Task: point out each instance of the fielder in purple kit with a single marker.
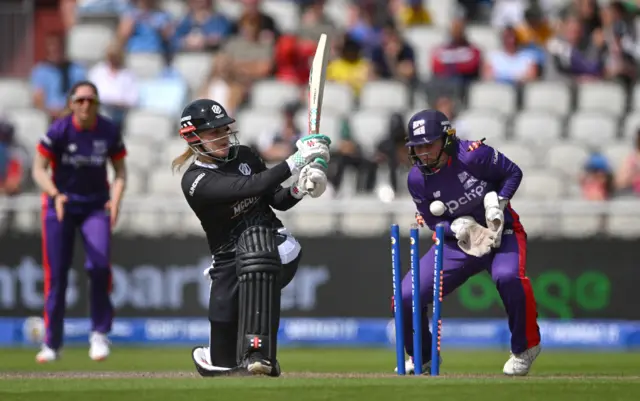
(467, 186)
(77, 196)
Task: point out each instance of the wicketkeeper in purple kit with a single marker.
(468, 185)
(77, 196)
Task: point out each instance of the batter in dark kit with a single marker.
(254, 256)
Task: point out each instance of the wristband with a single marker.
(296, 192)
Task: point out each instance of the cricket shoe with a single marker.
(257, 364)
(47, 354)
(99, 348)
(519, 364)
(410, 368)
(202, 360)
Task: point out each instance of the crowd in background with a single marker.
(585, 41)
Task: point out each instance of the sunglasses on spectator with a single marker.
(80, 100)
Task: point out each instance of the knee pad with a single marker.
(259, 270)
(289, 271)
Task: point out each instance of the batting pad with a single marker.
(259, 268)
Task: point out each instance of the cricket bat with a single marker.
(317, 77)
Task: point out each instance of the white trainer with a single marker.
(47, 354)
(409, 367)
(99, 349)
(519, 365)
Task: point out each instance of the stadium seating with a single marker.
(493, 96)
(368, 128)
(537, 94)
(87, 43)
(550, 140)
(537, 127)
(592, 127)
(272, 94)
(15, 93)
(607, 97)
(144, 65)
(30, 124)
(480, 123)
(385, 96)
(194, 68)
(566, 157)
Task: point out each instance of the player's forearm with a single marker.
(44, 181)
(232, 189)
(118, 187)
(283, 200)
(511, 183)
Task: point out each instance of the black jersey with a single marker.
(233, 196)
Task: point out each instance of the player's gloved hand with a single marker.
(473, 239)
(314, 172)
(310, 148)
(494, 215)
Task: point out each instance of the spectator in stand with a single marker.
(11, 165)
(366, 18)
(350, 67)
(117, 85)
(620, 62)
(477, 11)
(146, 28)
(535, 29)
(291, 64)
(587, 13)
(596, 180)
(512, 64)
(268, 31)
(314, 21)
(446, 104)
(222, 86)
(620, 65)
(414, 13)
(275, 146)
(506, 13)
(533, 34)
(251, 57)
(392, 150)
(52, 78)
(584, 63)
(348, 154)
(201, 29)
(628, 176)
(393, 58)
(71, 9)
(458, 60)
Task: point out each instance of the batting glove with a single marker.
(310, 148)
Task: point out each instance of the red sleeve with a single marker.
(14, 172)
(436, 64)
(119, 155)
(469, 65)
(118, 150)
(467, 61)
(44, 151)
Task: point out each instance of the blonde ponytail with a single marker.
(181, 160)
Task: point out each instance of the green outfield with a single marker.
(135, 374)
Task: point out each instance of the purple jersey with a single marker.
(79, 158)
(462, 184)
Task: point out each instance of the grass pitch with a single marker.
(140, 374)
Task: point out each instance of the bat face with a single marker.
(317, 78)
